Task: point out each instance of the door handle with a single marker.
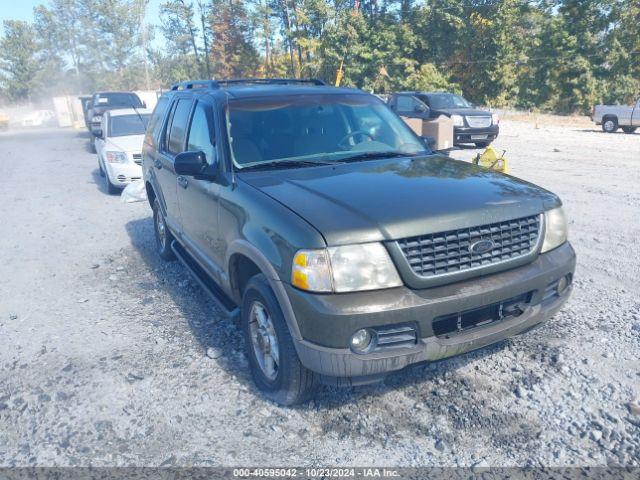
(183, 182)
(157, 163)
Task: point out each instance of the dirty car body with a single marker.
(379, 253)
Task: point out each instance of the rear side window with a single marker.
(200, 132)
(179, 124)
(405, 103)
(155, 124)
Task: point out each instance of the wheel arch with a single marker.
(151, 193)
(243, 261)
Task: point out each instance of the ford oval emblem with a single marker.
(481, 246)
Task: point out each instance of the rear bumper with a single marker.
(463, 135)
(326, 322)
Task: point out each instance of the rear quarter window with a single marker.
(179, 124)
(155, 124)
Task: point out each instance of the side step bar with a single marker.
(221, 299)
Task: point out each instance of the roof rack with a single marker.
(194, 84)
(215, 84)
(271, 81)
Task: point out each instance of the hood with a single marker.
(462, 111)
(397, 198)
(129, 143)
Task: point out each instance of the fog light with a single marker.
(361, 340)
(563, 283)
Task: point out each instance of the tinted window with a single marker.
(155, 124)
(119, 99)
(405, 103)
(200, 139)
(179, 126)
(123, 125)
(447, 100)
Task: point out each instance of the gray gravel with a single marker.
(111, 357)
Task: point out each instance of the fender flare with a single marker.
(149, 178)
(245, 248)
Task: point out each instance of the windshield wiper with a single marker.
(373, 155)
(286, 164)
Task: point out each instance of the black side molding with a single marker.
(222, 300)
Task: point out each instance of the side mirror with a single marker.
(144, 104)
(194, 164)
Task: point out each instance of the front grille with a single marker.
(451, 252)
(479, 121)
(459, 322)
(123, 178)
(137, 157)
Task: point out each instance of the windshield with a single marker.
(315, 128)
(123, 125)
(439, 101)
(120, 99)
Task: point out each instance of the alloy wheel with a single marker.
(264, 340)
(161, 229)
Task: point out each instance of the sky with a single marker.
(23, 10)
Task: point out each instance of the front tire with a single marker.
(629, 130)
(273, 360)
(610, 124)
(162, 233)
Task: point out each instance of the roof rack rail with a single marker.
(215, 84)
(271, 81)
(191, 84)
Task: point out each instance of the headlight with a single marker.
(458, 121)
(117, 157)
(96, 119)
(555, 229)
(344, 269)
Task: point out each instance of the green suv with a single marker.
(348, 249)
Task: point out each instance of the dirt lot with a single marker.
(103, 357)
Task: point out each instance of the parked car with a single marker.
(104, 101)
(119, 146)
(4, 121)
(612, 117)
(39, 118)
(348, 248)
(470, 124)
(86, 101)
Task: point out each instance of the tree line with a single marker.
(553, 55)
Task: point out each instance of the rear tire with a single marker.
(275, 366)
(482, 144)
(163, 235)
(629, 129)
(609, 124)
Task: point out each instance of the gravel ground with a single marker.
(111, 357)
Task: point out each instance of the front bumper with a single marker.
(122, 174)
(462, 135)
(326, 322)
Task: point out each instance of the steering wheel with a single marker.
(344, 146)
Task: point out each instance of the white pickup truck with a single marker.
(612, 117)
